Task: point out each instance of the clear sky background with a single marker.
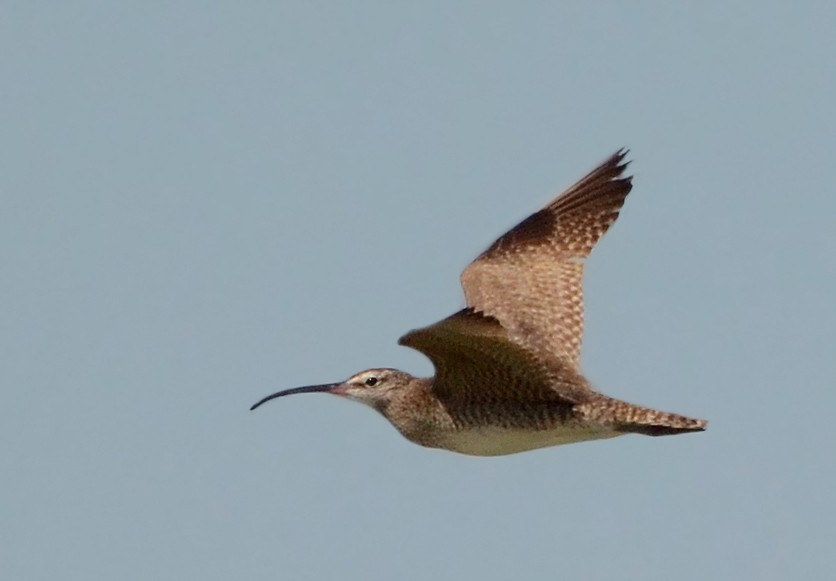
(203, 203)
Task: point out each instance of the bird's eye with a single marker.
(371, 381)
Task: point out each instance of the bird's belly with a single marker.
(498, 441)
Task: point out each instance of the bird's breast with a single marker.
(490, 428)
(499, 441)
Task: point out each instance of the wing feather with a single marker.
(530, 279)
(475, 360)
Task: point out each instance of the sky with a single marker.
(202, 203)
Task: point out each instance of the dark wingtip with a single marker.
(619, 162)
(616, 164)
(605, 186)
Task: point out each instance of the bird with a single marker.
(507, 373)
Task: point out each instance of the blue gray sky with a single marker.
(203, 203)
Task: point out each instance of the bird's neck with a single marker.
(417, 413)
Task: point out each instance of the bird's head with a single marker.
(373, 387)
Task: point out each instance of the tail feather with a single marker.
(631, 418)
(658, 430)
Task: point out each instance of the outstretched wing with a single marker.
(475, 360)
(530, 279)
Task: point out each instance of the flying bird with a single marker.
(507, 374)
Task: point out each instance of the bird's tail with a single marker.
(627, 417)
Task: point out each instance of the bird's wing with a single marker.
(530, 279)
(475, 360)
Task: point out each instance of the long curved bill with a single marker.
(324, 388)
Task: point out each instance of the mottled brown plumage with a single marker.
(507, 374)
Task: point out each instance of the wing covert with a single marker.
(475, 360)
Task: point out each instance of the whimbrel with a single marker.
(507, 372)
